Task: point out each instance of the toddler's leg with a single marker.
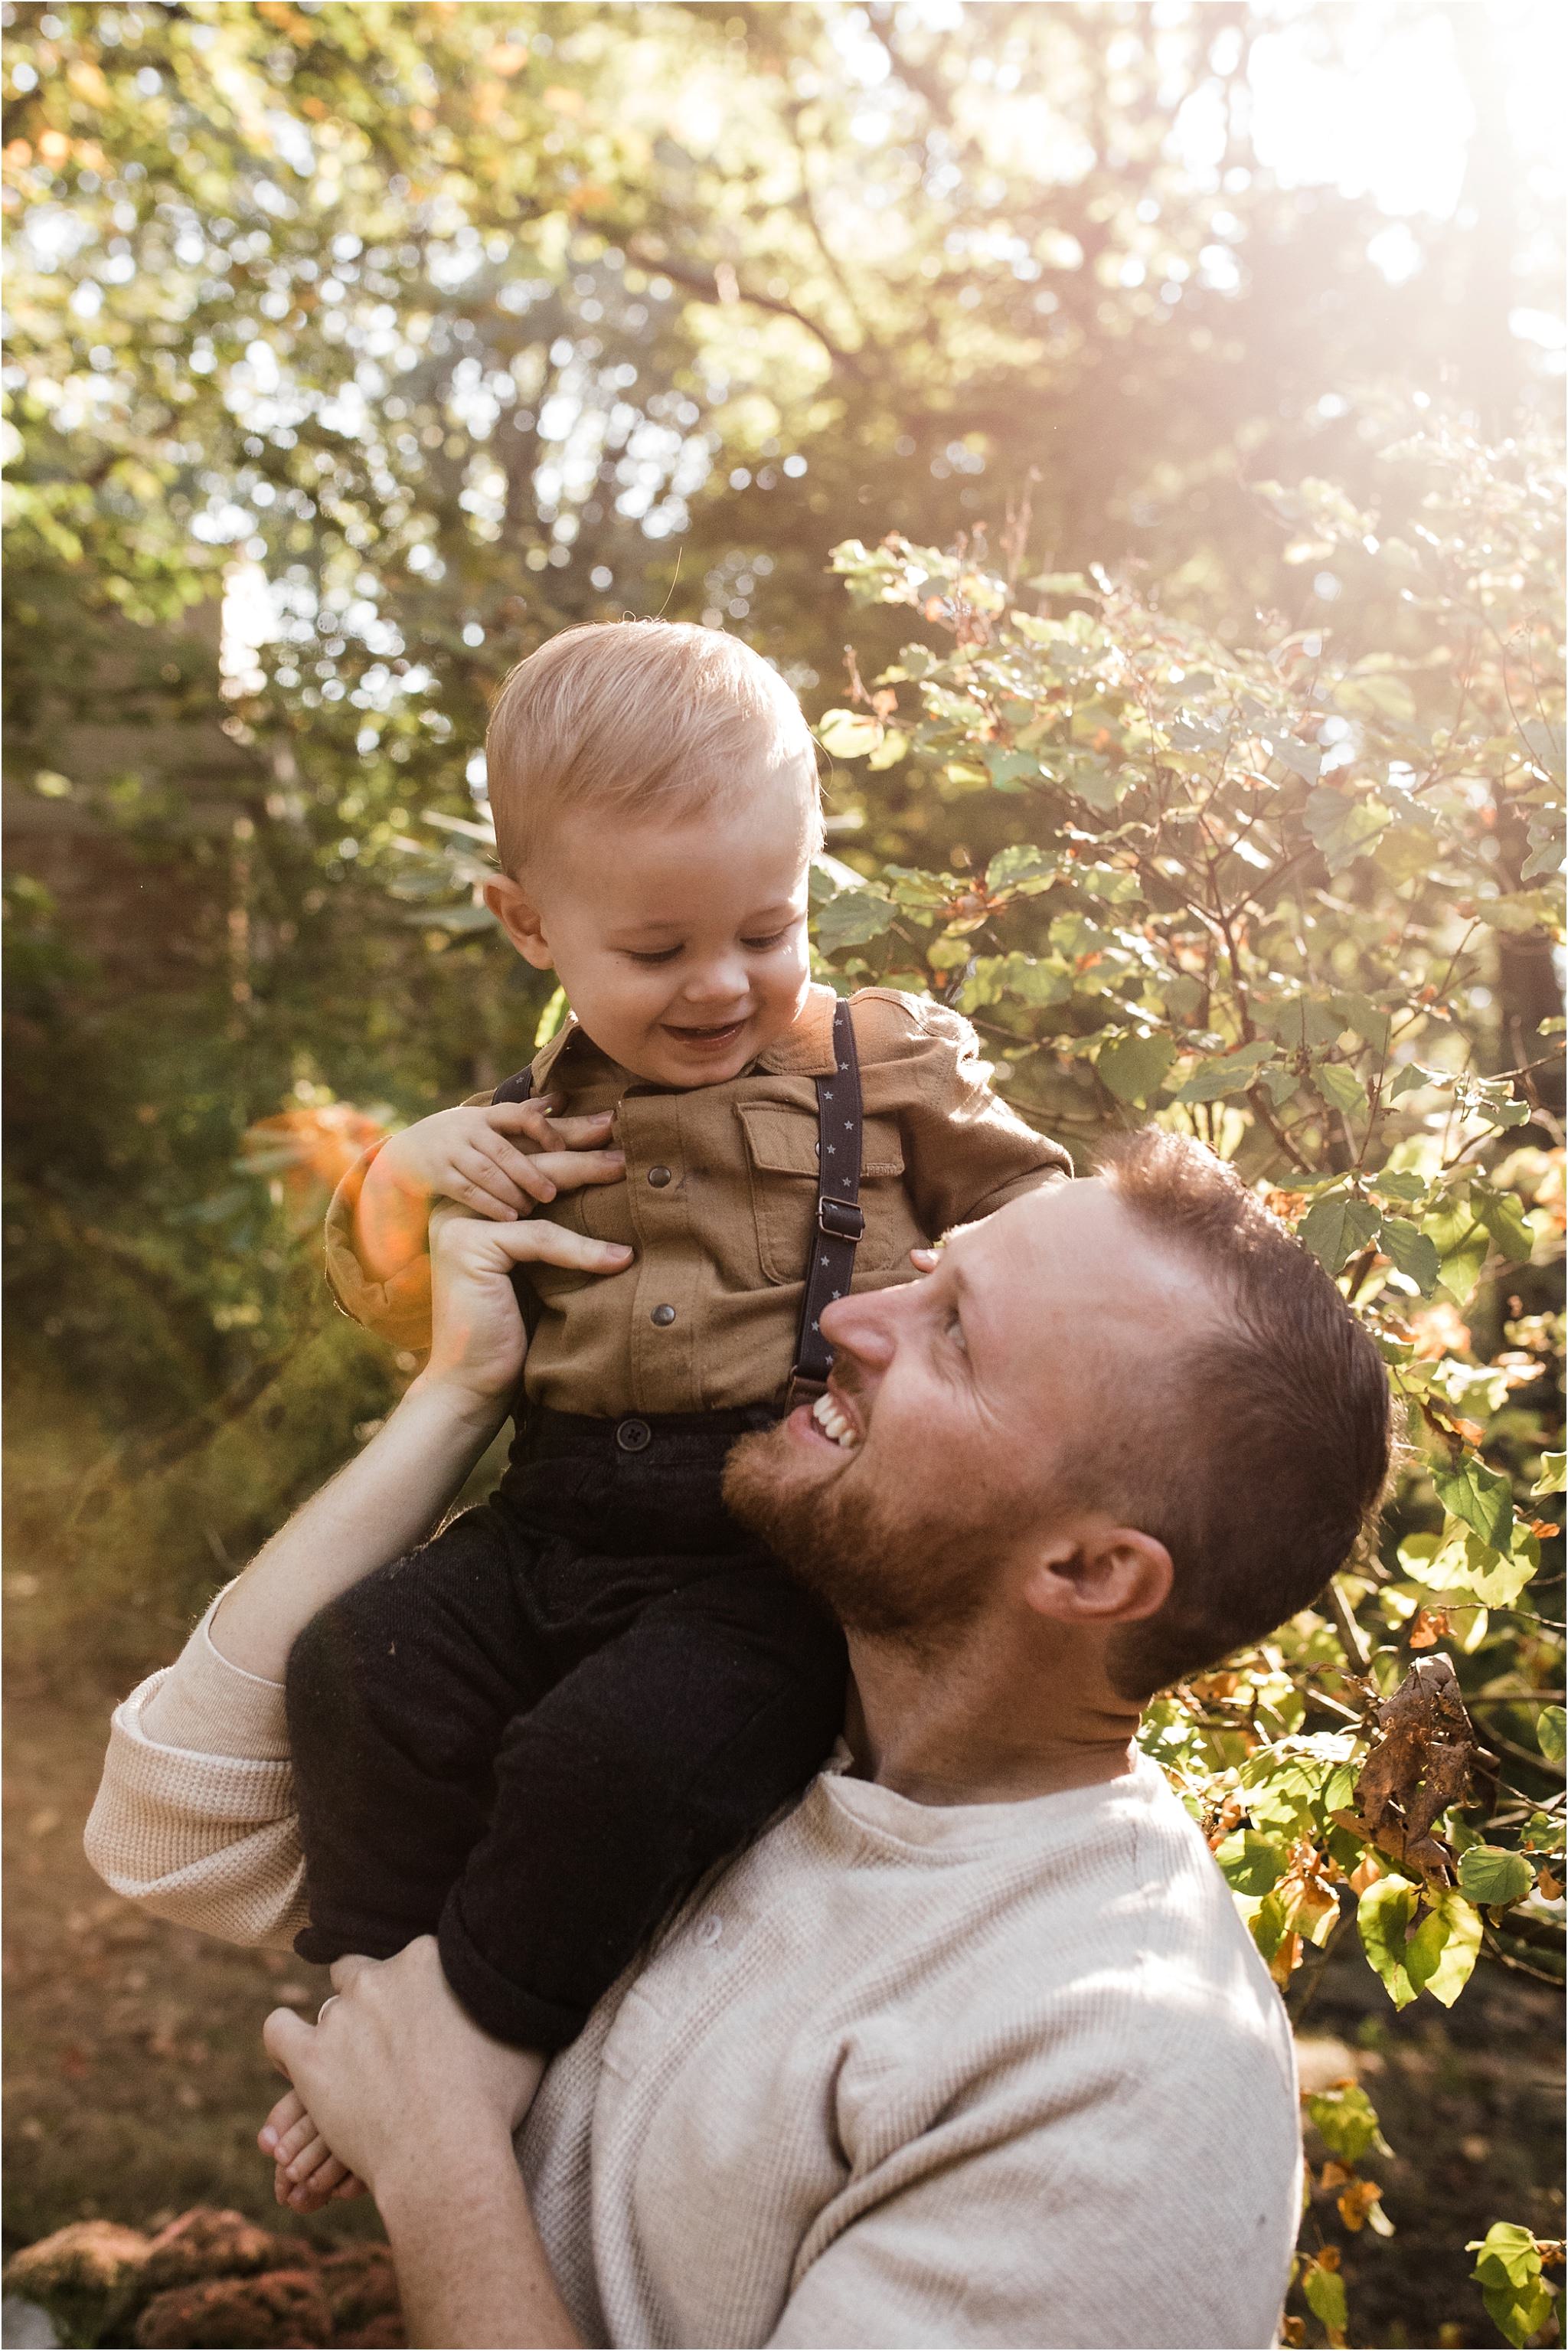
(398, 1693)
(652, 1759)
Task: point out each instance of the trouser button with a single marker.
(632, 1436)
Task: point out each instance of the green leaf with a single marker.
(1304, 759)
(847, 734)
(1509, 2255)
(1407, 1246)
(851, 918)
(1346, 2122)
(1344, 825)
(1135, 1066)
(1551, 1732)
(1493, 1876)
(1482, 1497)
(1342, 1088)
(1301, 1021)
(1252, 1863)
(1519, 2313)
(1440, 1956)
(1416, 1074)
(1463, 1563)
(1385, 1917)
(1518, 2301)
(1502, 1214)
(1324, 2292)
(1336, 1226)
(1232, 1074)
(1024, 862)
(1551, 1478)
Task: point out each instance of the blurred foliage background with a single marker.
(1184, 379)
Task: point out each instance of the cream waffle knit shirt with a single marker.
(900, 2074)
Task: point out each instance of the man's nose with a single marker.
(862, 1328)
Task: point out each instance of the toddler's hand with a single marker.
(306, 2173)
(502, 1161)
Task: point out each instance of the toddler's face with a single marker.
(681, 945)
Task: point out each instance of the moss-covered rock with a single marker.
(88, 2276)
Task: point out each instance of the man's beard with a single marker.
(882, 1574)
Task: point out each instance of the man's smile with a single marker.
(835, 1423)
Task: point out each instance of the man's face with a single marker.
(960, 1399)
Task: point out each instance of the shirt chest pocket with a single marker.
(781, 1157)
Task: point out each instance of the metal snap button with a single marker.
(662, 1316)
(659, 1177)
(633, 1435)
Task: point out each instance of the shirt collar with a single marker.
(805, 1049)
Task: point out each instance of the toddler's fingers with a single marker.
(326, 2180)
(293, 2140)
(353, 2186)
(533, 1120)
(303, 2199)
(288, 2110)
(523, 1172)
(311, 2158)
(477, 1187)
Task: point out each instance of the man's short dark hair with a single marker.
(1258, 1455)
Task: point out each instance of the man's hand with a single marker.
(306, 2173)
(501, 1161)
(478, 1342)
(498, 1163)
(396, 2075)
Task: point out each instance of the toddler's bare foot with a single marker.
(306, 2173)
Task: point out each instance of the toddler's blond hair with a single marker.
(634, 717)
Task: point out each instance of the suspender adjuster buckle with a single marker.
(840, 1220)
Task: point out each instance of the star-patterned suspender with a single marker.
(840, 1220)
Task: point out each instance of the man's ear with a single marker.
(521, 920)
(1101, 1574)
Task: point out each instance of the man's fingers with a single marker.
(570, 1168)
(345, 1971)
(539, 1241)
(286, 2037)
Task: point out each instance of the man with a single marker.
(970, 2046)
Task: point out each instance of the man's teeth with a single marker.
(831, 1423)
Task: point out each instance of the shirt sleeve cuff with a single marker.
(203, 1704)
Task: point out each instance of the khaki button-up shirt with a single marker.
(719, 1204)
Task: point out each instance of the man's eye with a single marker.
(649, 955)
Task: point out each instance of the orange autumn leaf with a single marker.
(1355, 2201)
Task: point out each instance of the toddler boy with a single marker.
(531, 1735)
